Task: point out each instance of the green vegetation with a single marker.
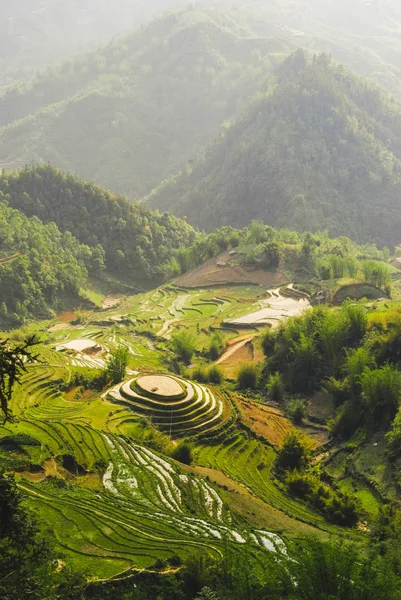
(199, 441)
(183, 344)
(38, 265)
(248, 377)
(83, 458)
(126, 237)
(27, 558)
(12, 365)
(327, 158)
(42, 32)
(116, 365)
(201, 66)
(275, 387)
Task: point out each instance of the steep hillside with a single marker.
(38, 264)
(135, 242)
(319, 150)
(134, 113)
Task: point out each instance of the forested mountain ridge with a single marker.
(362, 35)
(38, 264)
(134, 242)
(134, 113)
(319, 150)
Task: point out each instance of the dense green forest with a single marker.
(134, 241)
(38, 264)
(89, 231)
(318, 150)
(135, 112)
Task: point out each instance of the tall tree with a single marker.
(12, 364)
(117, 363)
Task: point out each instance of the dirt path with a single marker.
(234, 348)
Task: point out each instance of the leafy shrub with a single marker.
(183, 344)
(275, 387)
(248, 377)
(336, 507)
(297, 411)
(268, 341)
(393, 438)
(183, 453)
(293, 454)
(215, 375)
(216, 346)
(89, 379)
(117, 363)
(199, 374)
(381, 390)
(376, 273)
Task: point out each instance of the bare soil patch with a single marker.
(264, 420)
(160, 385)
(66, 317)
(210, 273)
(111, 301)
(78, 345)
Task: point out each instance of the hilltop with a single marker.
(87, 227)
(362, 35)
(318, 150)
(131, 114)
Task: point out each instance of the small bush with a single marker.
(293, 454)
(248, 377)
(200, 375)
(183, 344)
(268, 342)
(297, 411)
(275, 387)
(215, 375)
(183, 453)
(216, 346)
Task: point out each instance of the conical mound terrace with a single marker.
(175, 405)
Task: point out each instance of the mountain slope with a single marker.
(362, 35)
(38, 264)
(320, 150)
(37, 33)
(133, 114)
(135, 242)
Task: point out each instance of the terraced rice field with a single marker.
(127, 506)
(175, 405)
(264, 420)
(250, 462)
(273, 311)
(122, 505)
(114, 504)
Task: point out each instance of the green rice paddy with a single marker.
(114, 504)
